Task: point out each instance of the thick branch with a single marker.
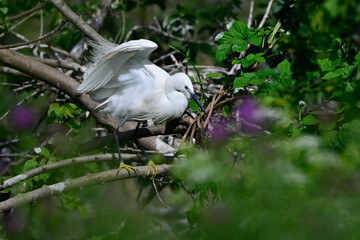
(129, 134)
(77, 21)
(77, 183)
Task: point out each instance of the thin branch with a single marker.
(70, 184)
(27, 12)
(251, 12)
(166, 34)
(7, 70)
(19, 23)
(77, 21)
(49, 34)
(65, 163)
(121, 33)
(266, 15)
(62, 64)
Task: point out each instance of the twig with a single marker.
(49, 34)
(251, 12)
(70, 184)
(65, 163)
(266, 15)
(121, 33)
(166, 34)
(24, 13)
(18, 23)
(41, 23)
(77, 21)
(158, 194)
(16, 155)
(12, 71)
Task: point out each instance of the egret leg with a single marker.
(129, 168)
(151, 164)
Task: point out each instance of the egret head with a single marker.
(183, 84)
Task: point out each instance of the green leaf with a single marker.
(214, 75)
(254, 39)
(310, 120)
(334, 74)
(82, 211)
(42, 151)
(4, 10)
(350, 132)
(239, 30)
(222, 52)
(241, 82)
(30, 164)
(248, 60)
(225, 111)
(325, 64)
(239, 46)
(284, 68)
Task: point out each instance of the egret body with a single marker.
(131, 88)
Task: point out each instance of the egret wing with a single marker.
(113, 60)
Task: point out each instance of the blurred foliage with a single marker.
(280, 161)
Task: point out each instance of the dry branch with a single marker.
(65, 163)
(70, 184)
(47, 35)
(77, 21)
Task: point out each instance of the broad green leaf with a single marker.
(254, 39)
(325, 64)
(284, 68)
(30, 164)
(350, 132)
(214, 75)
(239, 30)
(334, 74)
(239, 46)
(42, 151)
(309, 120)
(248, 60)
(222, 52)
(241, 82)
(4, 10)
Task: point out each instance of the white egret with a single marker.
(132, 88)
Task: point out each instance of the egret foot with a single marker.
(152, 165)
(128, 168)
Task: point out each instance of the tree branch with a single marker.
(129, 134)
(68, 162)
(77, 21)
(58, 27)
(266, 15)
(24, 13)
(70, 184)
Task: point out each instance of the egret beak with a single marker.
(194, 97)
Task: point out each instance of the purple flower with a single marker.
(248, 114)
(22, 118)
(217, 127)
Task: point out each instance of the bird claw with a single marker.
(128, 168)
(152, 165)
